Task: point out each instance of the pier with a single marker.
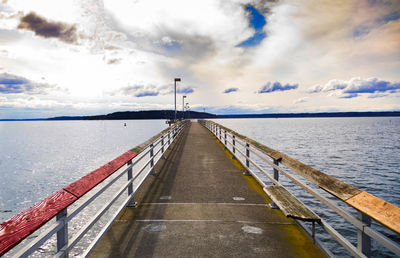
(200, 204)
(197, 189)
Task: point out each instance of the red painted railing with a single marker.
(23, 224)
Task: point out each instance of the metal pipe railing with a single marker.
(250, 147)
(14, 230)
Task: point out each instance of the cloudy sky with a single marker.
(86, 57)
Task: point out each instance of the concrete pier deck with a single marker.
(200, 205)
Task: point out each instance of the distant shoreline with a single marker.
(169, 114)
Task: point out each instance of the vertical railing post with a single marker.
(226, 146)
(62, 234)
(276, 177)
(162, 143)
(233, 146)
(169, 139)
(132, 202)
(152, 159)
(363, 240)
(246, 172)
(276, 172)
(162, 147)
(220, 136)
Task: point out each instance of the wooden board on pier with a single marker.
(289, 204)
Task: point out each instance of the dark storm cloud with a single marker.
(13, 84)
(277, 86)
(48, 29)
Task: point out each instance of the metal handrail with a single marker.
(12, 231)
(232, 139)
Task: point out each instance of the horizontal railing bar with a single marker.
(97, 216)
(386, 242)
(143, 154)
(258, 167)
(342, 240)
(147, 143)
(106, 227)
(323, 199)
(318, 242)
(75, 211)
(39, 240)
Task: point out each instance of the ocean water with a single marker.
(39, 158)
(363, 152)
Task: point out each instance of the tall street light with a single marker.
(183, 106)
(187, 108)
(176, 80)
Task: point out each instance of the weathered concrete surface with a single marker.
(200, 205)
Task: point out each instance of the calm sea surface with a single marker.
(38, 158)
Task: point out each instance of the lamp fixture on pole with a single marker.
(175, 80)
(183, 106)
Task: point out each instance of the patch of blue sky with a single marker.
(394, 16)
(257, 21)
(254, 40)
(172, 47)
(146, 94)
(186, 90)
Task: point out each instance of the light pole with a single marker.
(187, 107)
(183, 106)
(176, 80)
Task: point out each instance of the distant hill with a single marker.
(169, 114)
(151, 114)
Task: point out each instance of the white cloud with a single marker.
(122, 43)
(301, 100)
(355, 86)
